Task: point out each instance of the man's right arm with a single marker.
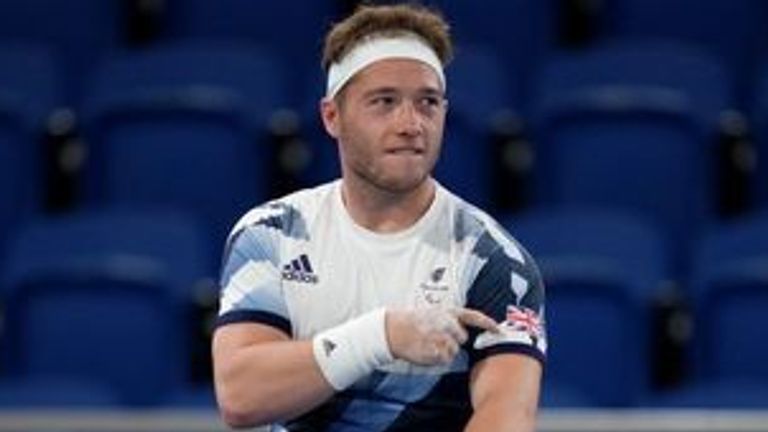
(263, 376)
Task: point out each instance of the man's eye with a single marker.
(383, 100)
(430, 101)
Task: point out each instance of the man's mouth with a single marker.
(405, 151)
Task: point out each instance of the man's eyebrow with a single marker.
(424, 91)
(431, 91)
(380, 91)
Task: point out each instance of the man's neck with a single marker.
(384, 211)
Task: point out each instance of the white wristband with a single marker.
(352, 350)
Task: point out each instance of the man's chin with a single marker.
(402, 185)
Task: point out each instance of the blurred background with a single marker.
(623, 142)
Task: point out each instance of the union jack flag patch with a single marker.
(525, 320)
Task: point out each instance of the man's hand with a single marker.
(430, 336)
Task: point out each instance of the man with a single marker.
(380, 301)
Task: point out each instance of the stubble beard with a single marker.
(391, 185)
(362, 169)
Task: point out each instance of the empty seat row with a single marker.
(634, 126)
(732, 31)
(112, 298)
(123, 300)
(521, 31)
(84, 31)
(604, 272)
(28, 94)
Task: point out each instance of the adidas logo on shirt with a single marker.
(299, 270)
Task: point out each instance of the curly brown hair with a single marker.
(388, 20)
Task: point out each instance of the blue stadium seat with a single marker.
(184, 126)
(555, 395)
(718, 394)
(54, 393)
(192, 397)
(29, 93)
(478, 93)
(295, 29)
(729, 292)
(521, 32)
(733, 31)
(78, 32)
(601, 271)
(633, 126)
(104, 297)
(759, 121)
(323, 158)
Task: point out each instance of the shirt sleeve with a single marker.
(509, 289)
(251, 288)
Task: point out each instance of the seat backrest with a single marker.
(717, 394)
(56, 394)
(78, 33)
(184, 126)
(759, 121)
(104, 297)
(601, 271)
(729, 291)
(633, 126)
(294, 29)
(29, 93)
(558, 395)
(521, 32)
(733, 31)
(478, 94)
(193, 397)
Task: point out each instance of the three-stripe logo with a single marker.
(300, 270)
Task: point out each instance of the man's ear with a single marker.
(329, 111)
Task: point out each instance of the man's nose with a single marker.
(408, 119)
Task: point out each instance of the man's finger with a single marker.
(475, 318)
(455, 329)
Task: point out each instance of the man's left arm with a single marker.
(506, 367)
(505, 393)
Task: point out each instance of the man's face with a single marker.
(388, 121)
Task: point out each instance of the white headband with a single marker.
(378, 48)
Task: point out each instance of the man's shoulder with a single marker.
(289, 214)
(479, 231)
